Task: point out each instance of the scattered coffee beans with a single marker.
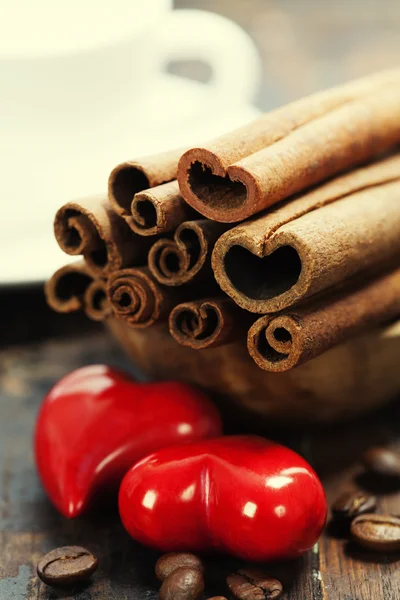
(380, 533)
(254, 584)
(168, 563)
(383, 462)
(351, 504)
(67, 566)
(183, 584)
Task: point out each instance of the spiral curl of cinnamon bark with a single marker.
(96, 304)
(275, 343)
(65, 290)
(159, 210)
(280, 342)
(91, 228)
(177, 261)
(205, 323)
(136, 298)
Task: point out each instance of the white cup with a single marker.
(73, 61)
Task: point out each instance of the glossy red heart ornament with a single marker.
(97, 422)
(241, 495)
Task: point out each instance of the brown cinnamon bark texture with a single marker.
(136, 298)
(347, 380)
(96, 304)
(65, 289)
(91, 228)
(280, 342)
(131, 177)
(207, 323)
(313, 242)
(292, 148)
(179, 260)
(159, 210)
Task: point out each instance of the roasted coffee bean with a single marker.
(67, 566)
(377, 532)
(383, 462)
(254, 584)
(217, 598)
(352, 504)
(183, 584)
(168, 563)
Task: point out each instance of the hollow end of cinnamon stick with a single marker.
(208, 189)
(74, 230)
(146, 219)
(257, 283)
(263, 278)
(160, 209)
(65, 290)
(96, 304)
(275, 343)
(199, 324)
(177, 261)
(135, 298)
(125, 180)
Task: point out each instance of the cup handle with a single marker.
(189, 34)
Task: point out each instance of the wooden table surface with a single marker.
(29, 526)
(305, 45)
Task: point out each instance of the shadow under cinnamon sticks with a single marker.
(284, 340)
(348, 226)
(292, 148)
(73, 288)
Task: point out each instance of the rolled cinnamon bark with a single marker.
(65, 290)
(280, 342)
(313, 242)
(91, 228)
(292, 148)
(159, 210)
(207, 323)
(131, 177)
(137, 299)
(96, 304)
(178, 261)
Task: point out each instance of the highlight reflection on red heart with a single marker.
(96, 422)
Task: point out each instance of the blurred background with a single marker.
(95, 83)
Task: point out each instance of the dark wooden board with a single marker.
(29, 526)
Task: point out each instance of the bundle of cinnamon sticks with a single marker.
(283, 234)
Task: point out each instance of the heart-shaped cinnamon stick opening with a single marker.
(262, 278)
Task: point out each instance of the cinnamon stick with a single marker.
(280, 342)
(65, 289)
(178, 261)
(131, 177)
(91, 228)
(159, 210)
(136, 298)
(313, 242)
(96, 304)
(207, 323)
(292, 148)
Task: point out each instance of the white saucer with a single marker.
(41, 170)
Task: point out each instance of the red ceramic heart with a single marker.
(97, 422)
(242, 495)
